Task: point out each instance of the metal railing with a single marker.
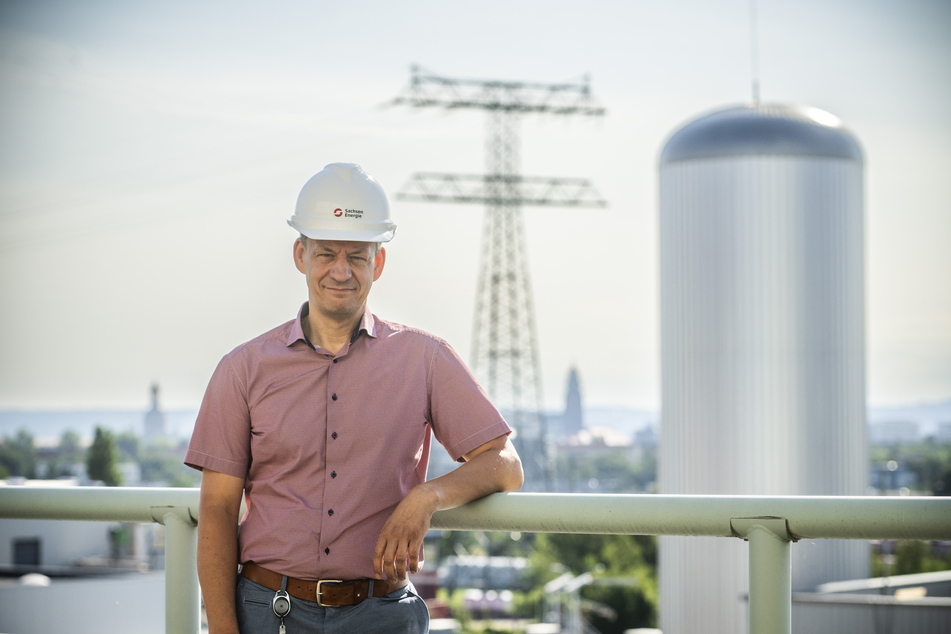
(769, 524)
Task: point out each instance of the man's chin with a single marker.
(340, 313)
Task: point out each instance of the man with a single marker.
(323, 426)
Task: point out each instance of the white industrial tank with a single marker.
(762, 340)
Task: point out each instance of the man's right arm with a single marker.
(219, 505)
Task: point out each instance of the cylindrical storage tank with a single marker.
(762, 340)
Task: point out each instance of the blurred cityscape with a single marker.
(596, 449)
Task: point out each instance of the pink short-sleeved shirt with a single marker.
(328, 445)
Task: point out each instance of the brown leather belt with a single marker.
(327, 592)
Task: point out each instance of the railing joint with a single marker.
(159, 513)
(778, 526)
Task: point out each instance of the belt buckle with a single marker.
(318, 592)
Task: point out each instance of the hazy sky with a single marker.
(150, 153)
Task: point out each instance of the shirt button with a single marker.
(330, 512)
(335, 360)
(334, 435)
(326, 551)
(333, 474)
(334, 397)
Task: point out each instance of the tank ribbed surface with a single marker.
(762, 341)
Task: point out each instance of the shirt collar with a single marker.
(296, 333)
(367, 325)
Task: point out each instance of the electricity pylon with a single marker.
(504, 346)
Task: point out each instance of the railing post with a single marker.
(770, 573)
(182, 593)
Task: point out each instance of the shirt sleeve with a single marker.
(463, 417)
(221, 440)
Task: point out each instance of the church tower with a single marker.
(155, 418)
(572, 421)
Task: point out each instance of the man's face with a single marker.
(339, 275)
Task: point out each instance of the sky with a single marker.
(151, 152)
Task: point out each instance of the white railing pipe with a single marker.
(103, 504)
(807, 517)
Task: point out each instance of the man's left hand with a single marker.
(489, 468)
(397, 549)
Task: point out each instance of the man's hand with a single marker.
(397, 549)
(490, 468)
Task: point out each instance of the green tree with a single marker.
(70, 449)
(621, 557)
(615, 471)
(928, 460)
(18, 456)
(906, 557)
(67, 453)
(101, 462)
(943, 485)
(129, 447)
(163, 463)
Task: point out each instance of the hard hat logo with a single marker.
(342, 202)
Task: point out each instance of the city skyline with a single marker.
(152, 154)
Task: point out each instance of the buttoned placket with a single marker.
(334, 368)
(329, 454)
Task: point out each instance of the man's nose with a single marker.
(341, 269)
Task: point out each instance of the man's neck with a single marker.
(329, 333)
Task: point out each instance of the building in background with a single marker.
(943, 434)
(572, 421)
(762, 340)
(894, 432)
(155, 418)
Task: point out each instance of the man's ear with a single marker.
(299, 251)
(378, 263)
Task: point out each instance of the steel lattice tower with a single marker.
(504, 346)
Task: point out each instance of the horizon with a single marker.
(599, 406)
(929, 417)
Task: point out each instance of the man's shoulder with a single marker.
(386, 328)
(392, 331)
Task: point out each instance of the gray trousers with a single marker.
(401, 611)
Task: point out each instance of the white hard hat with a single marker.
(342, 202)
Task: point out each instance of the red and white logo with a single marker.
(338, 212)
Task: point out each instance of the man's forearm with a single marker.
(217, 569)
(494, 470)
